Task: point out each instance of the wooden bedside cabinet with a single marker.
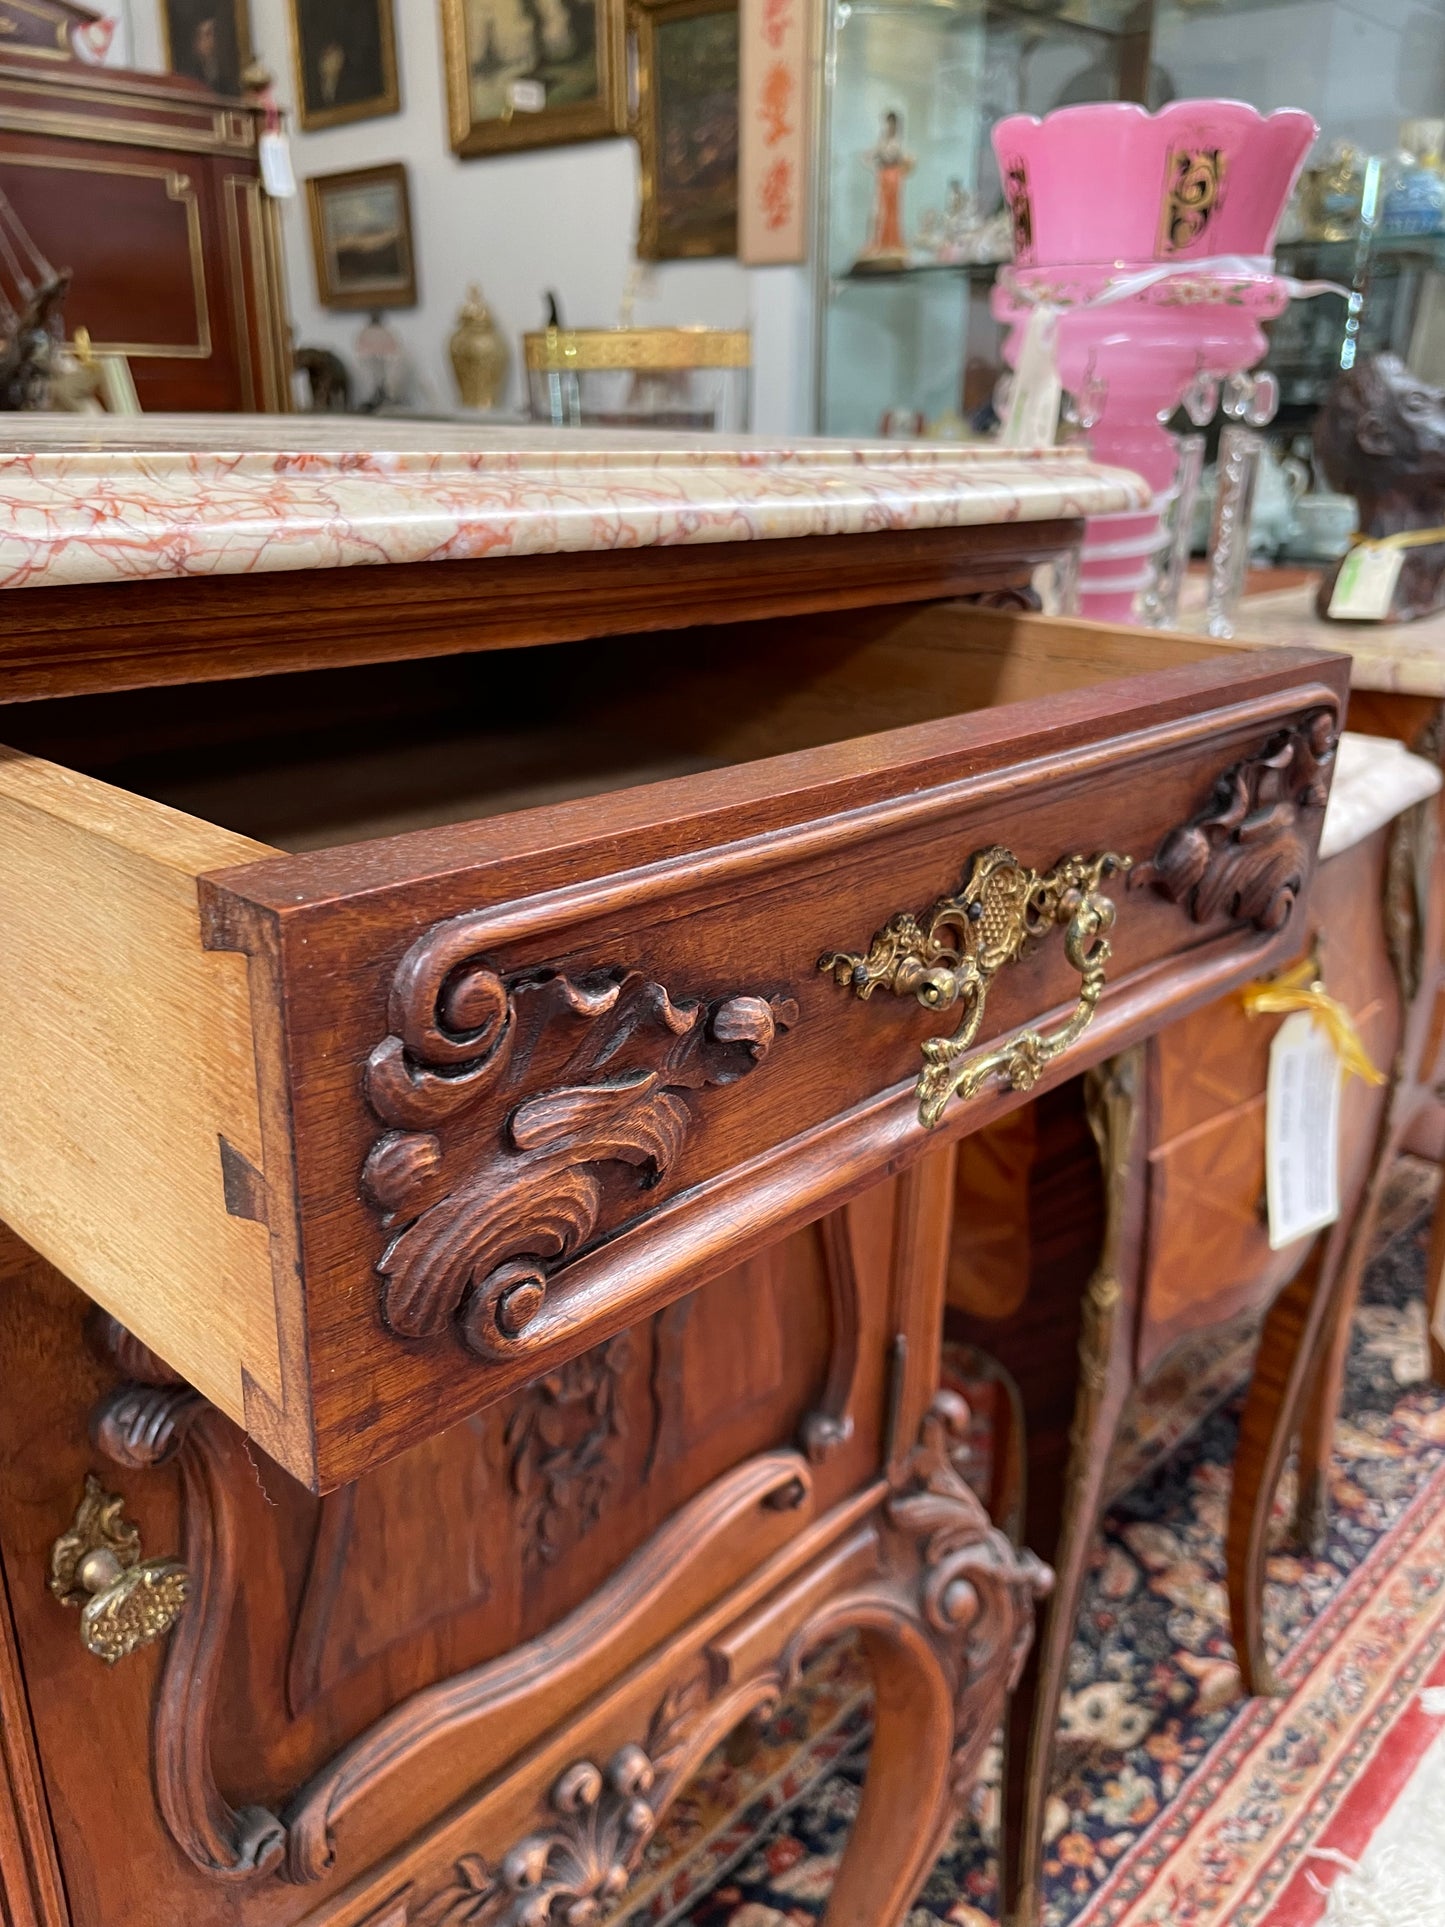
(485, 1050)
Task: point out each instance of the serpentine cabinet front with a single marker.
(477, 1338)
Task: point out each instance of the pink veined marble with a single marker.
(85, 500)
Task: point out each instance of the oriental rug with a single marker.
(1177, 1803)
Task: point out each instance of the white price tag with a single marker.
(1302, 1131)
(527, 96)
(1365, 586)
(274, 152)
(1033, 409)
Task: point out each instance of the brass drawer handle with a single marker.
(125, 1601)
(952, 955)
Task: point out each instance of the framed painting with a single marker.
(361, 238)
(344, 53)
(533, 73)
(687, 127)
(208, 41)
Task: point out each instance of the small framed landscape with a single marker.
(687, 127)
(533, 76)
(344, 53)
(361, 238)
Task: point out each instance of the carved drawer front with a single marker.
(361, 1139)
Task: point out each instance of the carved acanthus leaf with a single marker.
(525, 1113)
(565, 1436)
(1246, 856)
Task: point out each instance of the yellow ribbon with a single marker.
(1404, 539)
(1299, 988)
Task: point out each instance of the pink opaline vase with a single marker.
(1112, 207)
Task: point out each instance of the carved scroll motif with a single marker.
(977, 1590)
(560, 1656)
(526, 1113)
(1246, 856)
(959, 1630)
(144, 1426)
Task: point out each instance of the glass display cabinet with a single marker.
(909, 230)
(911, 227)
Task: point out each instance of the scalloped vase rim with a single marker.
(1135, 109)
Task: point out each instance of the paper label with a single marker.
(1033, 409)
(274, 152)
(527, 96)
(1365, 586)
(1302, 1131)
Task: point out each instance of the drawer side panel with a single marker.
(127, 1058)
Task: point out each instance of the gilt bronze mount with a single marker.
(952, 954)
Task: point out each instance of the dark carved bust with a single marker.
(1381, 438)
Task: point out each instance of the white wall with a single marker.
(560, 217)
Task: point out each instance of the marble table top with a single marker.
(1403, 658)
(89, 499)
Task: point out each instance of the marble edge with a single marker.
(1390, 659)
(73, 517)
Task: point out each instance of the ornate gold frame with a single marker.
(62, 49)
(178, 188)
(654, 243)
(317, 187)
(388, 101)
(246, 46)
(582, 350)
(554, 127)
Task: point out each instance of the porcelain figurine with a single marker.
(1415, 200)
(1331, 194)
(891, 166)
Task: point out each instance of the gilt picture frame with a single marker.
(686, 125)
(208, 41)
(343, 56)
(361, 238)
(540, 75)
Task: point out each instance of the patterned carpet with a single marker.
(1177, 1803)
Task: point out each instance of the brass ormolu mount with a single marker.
(953, 953)
(125, 1601)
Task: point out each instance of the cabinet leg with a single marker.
(1292, 1350)
(1326, 1373)
(1033, 1715)
(1435, 1291)
(907, 1806)
(1106, 1353)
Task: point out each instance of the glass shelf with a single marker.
(973, 270)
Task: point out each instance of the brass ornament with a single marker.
(125, 1601)
(952, 955)
(587, 350)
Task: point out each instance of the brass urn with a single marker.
(479, 354)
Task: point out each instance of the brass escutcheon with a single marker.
(125, 1601)
(952, 954)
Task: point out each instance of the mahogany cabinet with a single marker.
(147, 188)
(478, 1140)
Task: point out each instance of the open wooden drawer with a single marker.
(361, 1136)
